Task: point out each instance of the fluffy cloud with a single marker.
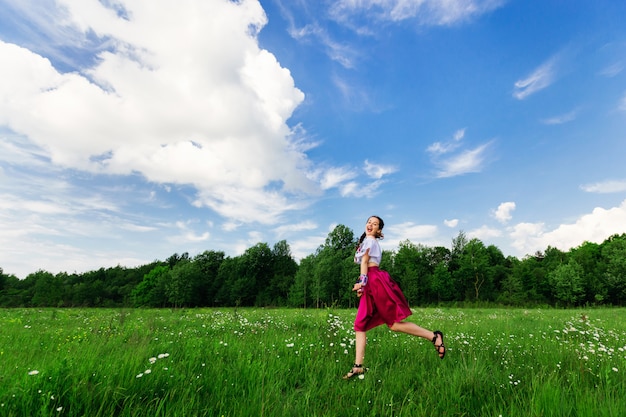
(451, 223)
(592, 227)
(417, 233)
(503, 212)
(198, 104)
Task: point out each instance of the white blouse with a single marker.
(372, 244)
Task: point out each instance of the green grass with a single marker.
(264, 362)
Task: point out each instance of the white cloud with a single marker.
(412, 230)
(451, 223)
(459, 135)
(465, 162)
(450, 161)
(306, 246)
(52, 226)
(198, 105)
(605, 187)
(561, 119)
(612, 70)
(503, 212)
(354, 189)
(297, 227)
(187, 234)
(334, 177)
(377, 171)
(440, 148)
(596, 226)
(425, 234)
(539, 79)
(425, 12)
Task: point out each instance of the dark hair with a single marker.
(381, 224)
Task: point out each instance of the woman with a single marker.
(382, 301)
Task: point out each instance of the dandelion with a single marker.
(33, 372)
(152, 360)
(163, 355)
(361, 376)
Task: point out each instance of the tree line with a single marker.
(467, 272)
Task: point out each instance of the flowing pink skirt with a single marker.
(382, 302)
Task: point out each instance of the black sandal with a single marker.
(439, 347)
(356, 370)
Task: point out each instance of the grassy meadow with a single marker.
(287, 362)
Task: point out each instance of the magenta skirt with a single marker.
(382, 302)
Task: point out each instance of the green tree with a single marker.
(335, 271)
(183, 279)
(9, 293)
(512, 287)
(205, 289)
(151, 292)
(472, 272)
(227, 274)
(413, 270)
(567, 282)
(284, 269)
(253, 277)
(300, 290)
(48, 290)
(589, 257)
(614, 256)
(442, 285)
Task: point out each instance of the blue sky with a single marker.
(132, 130)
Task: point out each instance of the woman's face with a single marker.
(372, 227)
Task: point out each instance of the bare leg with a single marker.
(359, 356)
(413, 329)
(361, 340)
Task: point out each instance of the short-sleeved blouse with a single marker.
(375, 253)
